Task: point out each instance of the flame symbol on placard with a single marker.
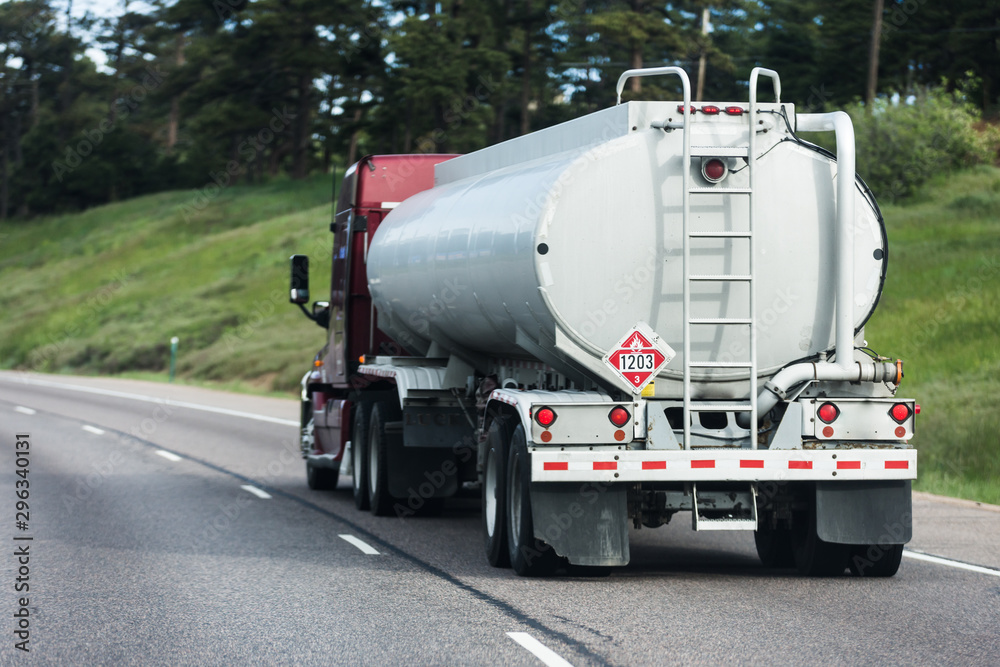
(635, 343)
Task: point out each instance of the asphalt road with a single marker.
(173, 525)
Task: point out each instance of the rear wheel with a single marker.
(379, 499)
(359, 456)
(530, 557)
(874, 560)
(813, 556)
(774, 545)
(495, 493)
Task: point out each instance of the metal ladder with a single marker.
(750, 365)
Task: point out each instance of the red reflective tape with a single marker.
(605, 465)
(555, 465)
(848, 465)
(800, 465)
(897, 465)
(752, 463)
(654, 465)
(704, 463)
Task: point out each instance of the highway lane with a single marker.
(171, 562)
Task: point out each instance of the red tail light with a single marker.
(545, 417)
(900, 412)
(828, 412)
(710, 109)
(734, 111)
(680, 108)
(619, 416)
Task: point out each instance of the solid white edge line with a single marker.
(359, 544)
(170, 456)
(540, 650)
(92, 429)
(916, 555)
(23, 410)
(260, 493)
(160, 401)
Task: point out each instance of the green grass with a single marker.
(940, 312)
(102, 292)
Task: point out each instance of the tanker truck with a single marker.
(654, 309)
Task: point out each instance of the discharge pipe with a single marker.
(845, 369)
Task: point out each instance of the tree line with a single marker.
(198, 91)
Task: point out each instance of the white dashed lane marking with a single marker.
(359, 544)
(257, 492)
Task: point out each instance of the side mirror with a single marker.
(299, 292)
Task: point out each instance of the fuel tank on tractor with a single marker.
(553, 245)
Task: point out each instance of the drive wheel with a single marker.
(813, 556)
(495, 492)
(359, 456)
(530, 557)
(874, 560)
(774, 545)
(379, 499)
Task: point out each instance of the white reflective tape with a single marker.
(170, 456)
(92, 429)
(23, 410)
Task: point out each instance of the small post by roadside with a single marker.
(173, 356)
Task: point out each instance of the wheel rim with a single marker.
(491, 492)
(514, 499)
(373, 455)
(356, 465)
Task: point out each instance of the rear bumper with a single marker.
(737, 465)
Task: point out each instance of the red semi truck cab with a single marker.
(370, 189)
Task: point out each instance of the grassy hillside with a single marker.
(103, 292)
(940, 312)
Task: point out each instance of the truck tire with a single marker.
(530, 557)
(875, 560)
(359, 455)
(815, 557)
(774, 545)
(321, 479)
(495, 492)
(379, 500)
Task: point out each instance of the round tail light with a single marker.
(828, 412)
(545, 417)
(900, 412)
(619, 416)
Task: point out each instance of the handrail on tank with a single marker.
(756, 72)
(655, 71)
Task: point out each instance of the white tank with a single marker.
(553, 245)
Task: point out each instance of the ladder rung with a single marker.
(720, 235)
(720, 151)
(720, 191)
(720, 364)
(720, 407)
(722, 320)
(724, 277)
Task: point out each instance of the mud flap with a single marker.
(877, 512)
(588, 524)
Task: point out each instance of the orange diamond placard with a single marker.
(639, 356)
